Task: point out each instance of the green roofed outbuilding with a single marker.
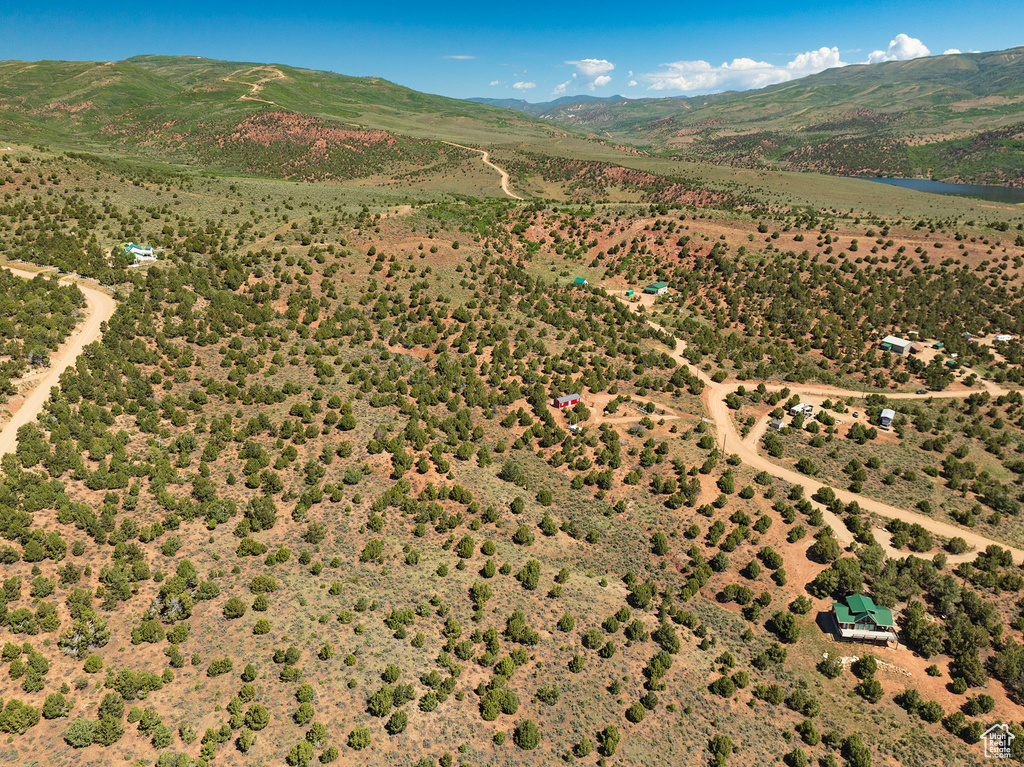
(859, 619)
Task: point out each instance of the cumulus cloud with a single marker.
(593, 71)
(740, 74)
(902, 48)
(744, 73)
(459, 57)
(522, 86)
(496, 82)
(560, 88)
(592, 67)
(951, 51)
(632, 83)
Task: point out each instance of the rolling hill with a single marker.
(262, 119)
(957, 116)
(543, 108)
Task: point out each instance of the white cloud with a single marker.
(902, 48)
(744, 73)
(496, 82)
(522, 86)
(632, 83)
(951, 51)
(459, 57)
(593, 71)
(592, 67)
(740, 74)
(560, 88)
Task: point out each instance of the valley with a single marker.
(297, 490)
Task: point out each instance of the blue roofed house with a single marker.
(580, 282)
(859, 619)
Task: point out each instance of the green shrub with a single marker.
(79, 733)
(608, 740)
(830, 667)
(397, 723)
(359, 738)
(526, 735)
(723, 686)
(636, 713)
(56, 706)
(257, 717)
(300, 755)
(218, 667)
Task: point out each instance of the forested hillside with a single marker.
(308, 498)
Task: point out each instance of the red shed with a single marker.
(567, 400)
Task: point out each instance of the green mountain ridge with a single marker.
(958, 115)
(264, 119)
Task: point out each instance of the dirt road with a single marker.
(99, 308)
(713, 398)
(256, 87)
(486, 157)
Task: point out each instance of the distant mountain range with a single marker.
(542, 108)
(959, 117)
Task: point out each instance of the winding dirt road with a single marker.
(256, 87)
(713, 398)
(99, 308)
(486, 157)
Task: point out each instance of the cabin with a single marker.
(580, 282)
(886, 418)
(139, 253)
(896, 345)
(776, 425)
(859, 619)
(656, 288)
(566, 400)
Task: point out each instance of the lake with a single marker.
(981, 191)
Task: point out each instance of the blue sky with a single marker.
(528, 49)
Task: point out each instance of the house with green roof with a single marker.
(859, 619)
(657, 288)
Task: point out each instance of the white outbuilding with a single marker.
(894, 344)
